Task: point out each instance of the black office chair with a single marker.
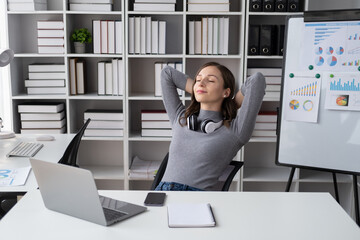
(7, 201)
(70, 154)
(225, 180)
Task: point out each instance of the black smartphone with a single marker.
(155, 199)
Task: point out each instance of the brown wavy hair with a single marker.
(228, 108)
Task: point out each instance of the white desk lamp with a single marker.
(6, 55)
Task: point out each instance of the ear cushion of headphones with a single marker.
(192, 122)
(209, 126)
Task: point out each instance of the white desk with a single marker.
(52, 152)
(239, 215)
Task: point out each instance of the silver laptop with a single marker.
(72, 191)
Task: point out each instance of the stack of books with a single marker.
(209, 36)
(158, 67)
(42, 118)
(47, 79)
(265, 125)
(143, 169)
(110, 77)
(27, 5)
(155, 123)
(107, 36)
(208, 6)
(77, 76)
(104, 123)
(51, 37)
(272, 78)
(155, 5)
(91, 5)
(147, 36)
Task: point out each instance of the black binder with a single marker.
(255, 6)
(268, 5)
(267, 43)
(293, 5)
(280, 39)
(280, 5)
(253, 41)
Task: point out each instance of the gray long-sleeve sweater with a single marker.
(198, 159)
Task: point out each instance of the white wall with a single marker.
(4, 72)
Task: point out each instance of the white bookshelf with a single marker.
(109, 158)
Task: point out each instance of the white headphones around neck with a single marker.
(206, 126)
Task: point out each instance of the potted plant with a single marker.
(80, 37)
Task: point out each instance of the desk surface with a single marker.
(52, 151)
(239, 215)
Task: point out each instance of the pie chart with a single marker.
(332, 61)
(329, 50)
(294, 104)
(340, 50)
(308, 105)
(319, 50)
(319, 61)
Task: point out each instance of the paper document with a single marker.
(190, 215)
(14, 177)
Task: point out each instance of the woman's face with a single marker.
(209, 86)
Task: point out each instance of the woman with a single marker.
(207, 135)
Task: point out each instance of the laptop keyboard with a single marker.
(25, 149)
(112, 203)
(111, 215)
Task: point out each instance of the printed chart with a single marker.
(302, 95)
(342, 91)
(14, 177)
(332, 46)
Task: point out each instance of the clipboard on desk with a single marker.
(190, 215)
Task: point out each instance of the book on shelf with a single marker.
(197, 38)
(103, 132)
(96, 7)
(48, 24)
(46, 90)
(131, 36)
(158, 68)
(143, 169)
(104, 114)
(143, 35)
(101, 78)
(106, 124)
(49, 33)
(104, 36)
(51, 41)
(96, 26)
(265, 126)
(207, 1)
(45, 67)
(266, 116)
(45, 83)
(155, 37)
(225, 36)
(92, 1)
(208, 7)
(273, 80)
(187, 215)
(43, 124)
(108, 78)
(42, 116)
(264, 133)
(155, 124)
(43, 130)
(80, 77)
(51, 49)
(204, 35)
(154, 7)
(155, 1)
(118, 37)
(27, 1)
(120, 74)
(269, 94)
(157, 115)
(111, 36)
(27, 6)
(137, 35)
(210, 27)
(41, 107)
(115, 77)
(215, 35)
(72, 77)
(268, 72)
(162, 37)
(156, 132)
(148, 32)
(191, 37)
(273, 87)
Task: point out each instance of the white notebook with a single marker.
(190, 215)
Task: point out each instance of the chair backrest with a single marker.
(70, 154)
(226, 178)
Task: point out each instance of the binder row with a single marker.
(266, 40)
(274, 6)
(107, 36)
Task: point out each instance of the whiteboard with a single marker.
(329, 139)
